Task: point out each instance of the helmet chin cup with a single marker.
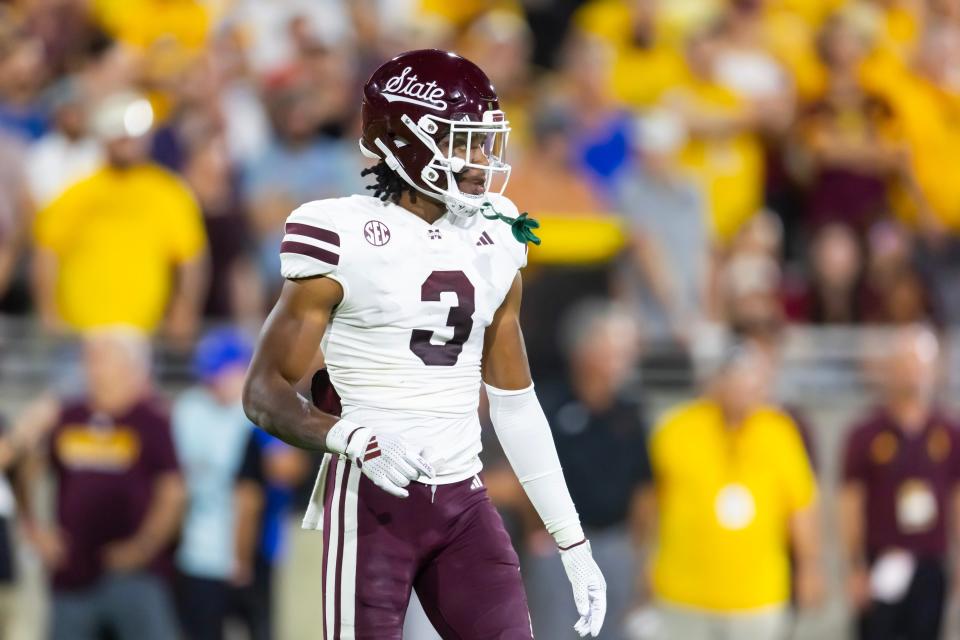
(464, 205)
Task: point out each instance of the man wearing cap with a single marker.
(124, 245)
(211, 434)
(734, 490)
(898, 513)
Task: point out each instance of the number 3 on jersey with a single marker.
(460, 318)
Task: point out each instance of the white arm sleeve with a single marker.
(525, 436)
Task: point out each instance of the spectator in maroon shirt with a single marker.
(901, 467)
(118, 500)
(848, 137)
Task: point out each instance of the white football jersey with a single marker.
(404, 346)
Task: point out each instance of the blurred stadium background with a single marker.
(782, 171)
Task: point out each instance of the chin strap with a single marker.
(522, 226)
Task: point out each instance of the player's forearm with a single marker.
(526, 439)
(274, 405)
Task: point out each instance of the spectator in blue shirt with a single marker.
(211, 435)
(21, 78)
(270, 474)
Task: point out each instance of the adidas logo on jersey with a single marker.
(484, 239)
(476, 484)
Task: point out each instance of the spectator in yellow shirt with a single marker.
(142, 23)
(461, 14)
(928, 112)
(617, 21)
(124, 245)
(647, 62)
(724, 151)
(734, 491)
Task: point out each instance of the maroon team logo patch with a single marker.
(376, 233)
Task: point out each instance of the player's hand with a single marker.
(390, 462)
(589, 588)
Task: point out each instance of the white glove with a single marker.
(589, 588)
(390, 462)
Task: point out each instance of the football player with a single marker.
(413, 295)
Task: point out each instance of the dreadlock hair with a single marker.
(389, 184)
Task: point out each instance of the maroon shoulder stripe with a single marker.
(292, 246)
(311, 231)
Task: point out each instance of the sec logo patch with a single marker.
(376, 233)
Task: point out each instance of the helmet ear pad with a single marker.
(409, 151)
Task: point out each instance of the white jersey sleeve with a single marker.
(311, 243)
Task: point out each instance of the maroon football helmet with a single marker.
(415, 101)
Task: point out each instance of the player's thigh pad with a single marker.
(369, 558)
(472, 590)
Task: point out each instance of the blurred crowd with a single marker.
(708, 151)
(741, 164)
(168, 516)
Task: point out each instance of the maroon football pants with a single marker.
(447, 542)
